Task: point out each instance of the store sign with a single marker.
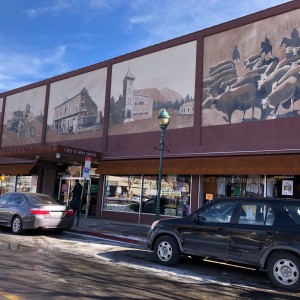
(287, 188)
(79, 152)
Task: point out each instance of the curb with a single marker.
(123, 239)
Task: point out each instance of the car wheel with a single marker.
(16, 225)
(167, 251)
(284, 271)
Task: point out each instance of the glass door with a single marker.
(89, 195)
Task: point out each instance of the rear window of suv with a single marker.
(256, 214)
(293, 211)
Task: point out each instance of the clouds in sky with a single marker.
(45, 38)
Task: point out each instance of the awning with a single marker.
(17, 169)
(54, 153)
(285, 164)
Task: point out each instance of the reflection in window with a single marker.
(16, 200)
(122, 193)
(139, 194)
(256, 214)
(293, 211)
(26, 184)
(175, 195)
(218, 213)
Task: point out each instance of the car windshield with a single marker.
(42, 199)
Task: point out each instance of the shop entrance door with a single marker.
(90, 192)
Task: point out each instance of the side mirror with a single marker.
(195, 218)
(198, 219)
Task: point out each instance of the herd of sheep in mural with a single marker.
(269, 88)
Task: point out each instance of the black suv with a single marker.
(263, 232)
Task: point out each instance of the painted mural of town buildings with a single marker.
(136, 105)
(137, 96)
(22, 122)
(77, 114)
(1, 105)
(76, 107)
(23, 118)
(251, 73)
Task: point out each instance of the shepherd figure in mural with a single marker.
(235, 53)
(266, 48)
(294, 41)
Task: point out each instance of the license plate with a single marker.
(56, 214)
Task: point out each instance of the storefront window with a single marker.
(233, 186)
(123, 193)
(251, 186)
(8, 184)
(18, 184)
(26, 184)
(139, 194)
(175, 195)
(283, 186)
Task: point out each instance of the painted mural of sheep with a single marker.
(270, 82)
(240, 98)
(282, 93)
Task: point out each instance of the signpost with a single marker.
(87, 167)
(86, 175)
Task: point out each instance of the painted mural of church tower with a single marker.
(128, 95)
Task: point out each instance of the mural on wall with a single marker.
(76, 107)
(1, 105)
(23, 118)
(251, 73)
(142, 86)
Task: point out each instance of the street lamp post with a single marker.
(163, 121)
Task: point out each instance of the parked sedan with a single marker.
(264, 233)
(21, 211)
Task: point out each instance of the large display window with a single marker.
(18, 183)
(138, 194)
(251, 185)
(123, 193)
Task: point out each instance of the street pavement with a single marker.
(113, 230)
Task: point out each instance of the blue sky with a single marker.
(40, 39)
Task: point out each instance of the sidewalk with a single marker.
(113, 230)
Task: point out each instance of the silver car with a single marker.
(22, 211)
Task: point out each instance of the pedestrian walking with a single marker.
(76, 195)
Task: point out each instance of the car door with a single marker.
(4, 208)
(252, 231)
(12, 207)
(209, 234)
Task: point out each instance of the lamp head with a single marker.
(163, 119)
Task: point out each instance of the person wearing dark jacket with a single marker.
(76, 195)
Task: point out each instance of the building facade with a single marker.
(232, 93)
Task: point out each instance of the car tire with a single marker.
(167, 251)
(284, 271)
(16, 225)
